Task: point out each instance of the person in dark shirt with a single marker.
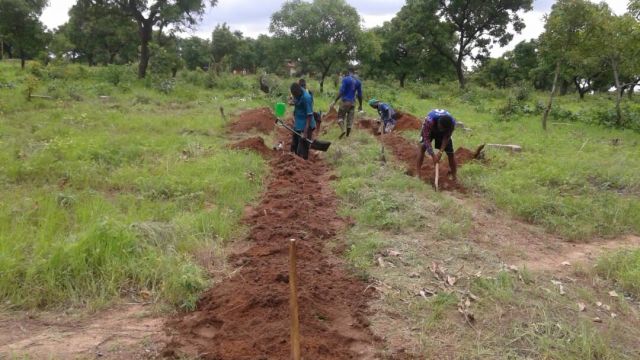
(303, 120)
(438, 126)
(387, 116)
(349, 89)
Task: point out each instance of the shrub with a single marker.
(115, 74)
(36, 69)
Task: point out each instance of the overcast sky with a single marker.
(252, 17)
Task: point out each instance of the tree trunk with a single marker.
(614, 66)
(23, 59)
(564, 89)
(174, 71)
(90, 59)
(323, 75)
(146, 32)
(553, 91)
(460, 73)
(403, 77)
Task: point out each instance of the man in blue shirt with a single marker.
(439, 126)
(303, 121)
(350, 88)
(387, 116)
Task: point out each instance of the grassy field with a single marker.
(128, 195)
(402, 223)
(120, 187)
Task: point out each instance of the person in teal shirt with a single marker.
(303, 120)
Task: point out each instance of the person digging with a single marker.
(387, 120)
(303, 121)
(439, 126)
(349, 89)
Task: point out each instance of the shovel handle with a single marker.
(279, 121)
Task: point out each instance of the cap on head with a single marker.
(373, 101)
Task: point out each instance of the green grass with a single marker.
(623, 267)
(577, 179)
(105, 198)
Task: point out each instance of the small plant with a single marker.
(32, 84)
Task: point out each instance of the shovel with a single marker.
(319, 145)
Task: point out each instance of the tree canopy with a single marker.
(323, 35)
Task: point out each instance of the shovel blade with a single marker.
(320, 145)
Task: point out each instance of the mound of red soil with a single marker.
(262, 120)
(406, 121)
(254, 144)
(407, 152)
(247, 316)
(330, 116)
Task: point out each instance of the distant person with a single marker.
(439, 126)
(317, 116)
(303, 120)
(387, 120)
(350, 87)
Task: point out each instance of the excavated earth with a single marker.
(261, 120)
(246, 316)
(407, 152)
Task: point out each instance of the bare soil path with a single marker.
(124, 332)
(247, 315)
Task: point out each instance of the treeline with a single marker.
(585, 47)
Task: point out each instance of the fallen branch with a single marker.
(41, 97)
(513, 148)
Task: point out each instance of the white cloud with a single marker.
(57, 13)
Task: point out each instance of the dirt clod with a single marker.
(406, 121)
(254, 144)
(262, 120)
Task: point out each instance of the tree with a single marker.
(404, 53)
(177, 14)
(322, 34)
(500, 71)
(524, 58)
(634, 8)
(195, 52)
(475, 24)
(224, 44)
(619, 44)
(100, 31)
(21, 28)
(569, 30)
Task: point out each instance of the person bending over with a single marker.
(387, 116)
(438, 126)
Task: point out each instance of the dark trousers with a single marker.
(299, 146)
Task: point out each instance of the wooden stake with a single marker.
(293, 302)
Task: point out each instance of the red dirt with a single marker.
(407, 152)
(247, 315)
(262, 120)
(406, 121)
(330, 116)
(254, 144)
